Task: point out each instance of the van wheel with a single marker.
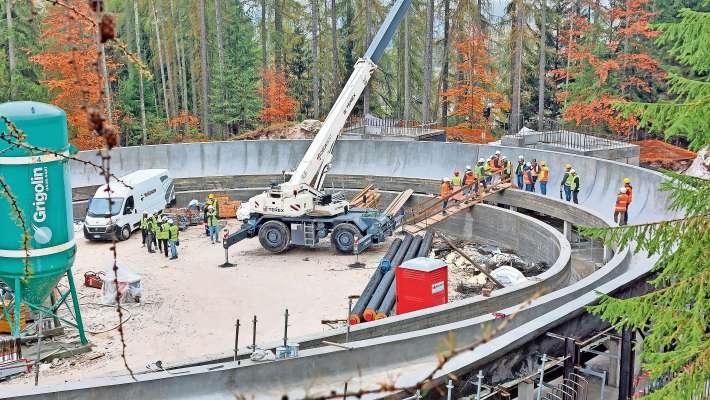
(125, 233)
(274, 236)
(343, 237)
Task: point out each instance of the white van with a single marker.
(150, 191)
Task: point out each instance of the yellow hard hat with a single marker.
(627, 180)
(542, 162)
(568, 166)
(211, 196)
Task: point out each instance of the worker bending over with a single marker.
(630, 193)
(507, 168)
(622, 203)
(173, 239)
(543, 176)
(445, 192)
(565, 183)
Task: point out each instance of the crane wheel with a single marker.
(343, 237)
(274, 236)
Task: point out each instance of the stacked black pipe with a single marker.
(378, 299)
(384, 266)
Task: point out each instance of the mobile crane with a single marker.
(298, 212)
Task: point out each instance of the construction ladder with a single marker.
(309, 233)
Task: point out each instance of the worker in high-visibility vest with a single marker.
(144, 229)
(535, 172)
(565, 183)
(573, 183)
(456, 180)
(480, 172)
(163, 235)
(507, 167)
(152, 226)
(213, 224)
(630, 193)
(543, 177)
(469, 180)
(527, 178)
(445, 192)
(488, 170)
(622, 202)
(173, 240)
(519, 170)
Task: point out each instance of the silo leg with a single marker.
(77, 312)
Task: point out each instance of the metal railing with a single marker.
(389, 127)
(584, 138)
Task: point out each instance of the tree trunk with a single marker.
(193, 81)
(107, 85)
(172, 92)
(220, 54)
(180, 59)
(160, 61)
(314, 51)
(334, 37)
(445, 66)
(278, 35)
(426, 98)
(541, 73)
(141, 88)
(10, 47)
(517, 68)
(407, 73)
(205, 73)
(367, 39)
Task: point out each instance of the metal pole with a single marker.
(542, 375)
(253, 338)
(285, 327)
(347, 318)
(39, 346)
(478, 384)
(450, 388)
(236, 340)
(345, 391)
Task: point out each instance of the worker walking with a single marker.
(144, 229)
(544, 176)
(630, 194)
(565, 184)
(480, 172)
(622, 202)
(574, 185)
(519, 170)
(445, 192)
(527, 178)
(163, 235)
(213, 224)
(173, 239)
(211, 201)
(468, 181)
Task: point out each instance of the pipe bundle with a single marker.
(378, 299)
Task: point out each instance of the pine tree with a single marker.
(675, 316)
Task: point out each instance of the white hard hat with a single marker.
(520, 157)
(504, 158)
(622, 190)
(164, 218)
(170, 221)
(481, 160)
(572, 171)
(447, 179)
(527, 164)
(468, 167)
(498, 152)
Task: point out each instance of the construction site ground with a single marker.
(189, 305)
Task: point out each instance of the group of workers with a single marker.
(210, 217)
(528, 175)
(160, 231)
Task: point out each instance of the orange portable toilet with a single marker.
(420, 283)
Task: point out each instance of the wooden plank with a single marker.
(396, 205)
(359, 196)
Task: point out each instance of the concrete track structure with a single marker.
(404, 345)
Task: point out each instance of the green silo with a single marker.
(40, 183)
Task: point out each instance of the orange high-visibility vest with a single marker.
(468, 179)
(527, 178)
(622, 202)
(544, 174)
(629, 192)
(445, 189)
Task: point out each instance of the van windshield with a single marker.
(98, 207)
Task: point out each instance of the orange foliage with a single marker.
(278, 105)
(633, 70)
(184, 118)
(69, 60)
(467, 135)
(475, 88)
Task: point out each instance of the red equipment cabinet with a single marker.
(420, 283)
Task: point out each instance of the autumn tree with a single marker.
(278, 105)
(474, 87)
(69, 63)
(601, 74)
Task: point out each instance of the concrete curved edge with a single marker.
(597, 192)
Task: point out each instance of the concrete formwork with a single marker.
(409, 353)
